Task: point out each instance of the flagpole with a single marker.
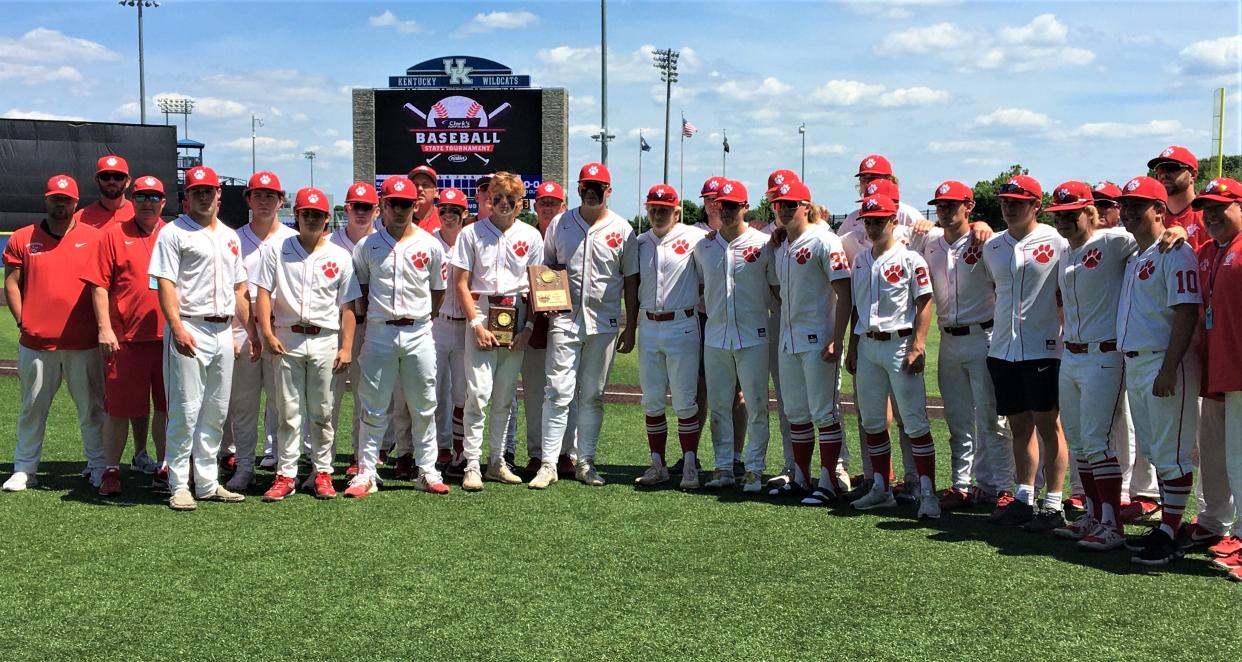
(724, 155)
(640, 182)
(681, 155)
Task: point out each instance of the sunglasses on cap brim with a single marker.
(1015, 189)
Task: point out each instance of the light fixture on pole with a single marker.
(802, 130)
(310, 156)
(254, 121)
(666, 63)
(176, 105)
(142, 79)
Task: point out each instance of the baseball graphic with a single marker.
(457, 112)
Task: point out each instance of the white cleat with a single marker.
(586, 474)
(656, 474)
(498, 471)
(752, 483)
(722, 479)
(689, 476)
(544, 477)
(1104, 538)
(929, 506)
(472, 479)
(19, 481)
(878, 497)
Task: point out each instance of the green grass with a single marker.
(8, 336)
(572, 572)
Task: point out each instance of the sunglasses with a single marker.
(1011, 188)
(788, 204)
(877, 220)
(594, 187)
(730, 206)
(1169, 167)
(111, 176)
(498, 199)
(400, 204)
(451, 210)
(1104, 204)
(1069, 199)
(362, 207)
(148, 197)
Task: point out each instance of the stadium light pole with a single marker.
(142, 78)
(666, 62)
(802, 130)
(176, 106)
(310, 156)
(603, 136)
(253, 122)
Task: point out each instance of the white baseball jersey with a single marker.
(961, 285)
(205, 265)
(1090, 279)
(251, 247)
(906, 216)
(449, 305)
(886, 287)
(400, 276)
(668, 281)
(737, 278)
(597, 258)
(1027, 323)
(496, 260)
(806, 269)
(341, 238)
(307, 288)
(1154, 283)
(857, 241)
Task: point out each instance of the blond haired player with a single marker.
(305, 288)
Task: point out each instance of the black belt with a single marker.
(964, 330)
(669, 316)
(305, 329)
(883, 336)
(214, 319)
(1130, 355)
(404, 321)
(454, 319)
(1083, 348)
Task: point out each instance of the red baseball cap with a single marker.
(1221, 189)
(952, 191)
(311, 198)
(361, 192)
(882, 187)
(427, 170)
(712, 186)
(874, 164)
(264, 180)
(877, 206)
(1175, 154)
(62, 185)
(595, 172)
(1022, 187)
(781, 176)
(1106, 190)
(111, 163)
(201, 176)
(732, 191)
(550, 189)
(149, 184)
(1146, 188)
(791, 191)
(662, 195)
(1070, 196)
(454, 197)
(400, 188)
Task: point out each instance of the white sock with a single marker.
(1026, 494)
(1052, 500)
(1107, 516)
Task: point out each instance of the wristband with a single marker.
(476, 322)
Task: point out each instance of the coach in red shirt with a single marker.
(112, 178)
(43, 263)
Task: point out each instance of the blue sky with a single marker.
(945, 89)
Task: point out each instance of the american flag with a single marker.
(687, 129)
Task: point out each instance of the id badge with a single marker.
(1207, 318)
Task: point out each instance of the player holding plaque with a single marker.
(549, 289)
(490, 263)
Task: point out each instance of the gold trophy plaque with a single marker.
(501, 321)
(549, 289)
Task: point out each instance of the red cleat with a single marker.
(1235, 575)
(1140, 509)
(954, 498)
(1076, 502)
(281, 488)
(383, 457)
(1228, 563)
(1227, 546)
(431, 486)
(565, 465)
(1193, 534)
(352, 470)
(323, 486)
(405, 467)
(360, 486)
(110, 484)
(1002, 501)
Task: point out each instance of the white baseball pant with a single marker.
(979, 442)
(1138, 477)
(1089, 389)
(450, 339)
(303, 380)
(879, 373)
(577, 366)
(491, 377)
(391, 355)
(810, 387)
(250, 380)
(39, 372)
(668, 361)
(726, 368)
(1233, 454)
(352, 376)
(774, 365)
(1215, 498)
(1164, 427)
(198, 399)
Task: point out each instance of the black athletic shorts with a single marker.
(1024, 385)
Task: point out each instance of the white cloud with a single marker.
(343, 148)
(845, 92)
(562, 64)
(912, 97)
(929, 39)
(1221, 55)
(826, 150)
(1120, 130)
(43, 45)
(15, 114)
(390, 20)
(958, 146)
(749, 91)
(213, 107)
(498, 20)
(1043, 30)
(34, 74)
(582, 130)
(1041, 44)
(890, 9)
(1017, 118)
(264, 143)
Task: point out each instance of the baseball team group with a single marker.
(1105, 345)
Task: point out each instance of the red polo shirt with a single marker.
(56, 304)
(100, 217)
(1191, 219)
(432, 222)
(122, 261)
(1220, 280)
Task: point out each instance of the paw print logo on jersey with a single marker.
(751, 254)
(613, 240)
(894, 273)
(1146, 270)
(803, 255)
(420, 259)
(681, 246)
(838, 261)
(234, 247)
(1092, 259)
(972, 255)
(520, 248)
(330, 270)
(1043, 253)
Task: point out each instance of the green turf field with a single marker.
(570, 573)
(8, 336)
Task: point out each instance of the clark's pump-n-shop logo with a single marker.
(459, 127)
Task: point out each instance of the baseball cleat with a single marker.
(954, 498)
(586, 474)
(566, 465)
(721, 479)
(182, 500)
(281, 488)
(1192, 535)
(752, 483)
(1015, 513)
(1077, 503)
(159, 481)
(323, 486)
(654, 475)
(982, 497)
(820, 496)
(1002, 500)
(843, 481)
(1045, 520)
(110, 485)
(1140, 509)
(143, 463)
(361, 486)
(861, 489)
(929, 506)
(790, 489)
(510, 459)
(223, 495)
(1228, 563)
(1160, 549)
(383, 457)
(443, 457)
(268, 462)
(352, 470)
(1078, 529)
(532, 468)
(1228, 546)
(457, 468)
(778, 481)
(690, 476)
(546, 475)
(1138, 543)
(241, 481)
(431, 485)
(405, 467)
(1235, 575)
(907, 491)
(739, 469)
(19, 481)
(878, 497)
(228, 463)
(1104, 538)
(472, 480)
(498, 471)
